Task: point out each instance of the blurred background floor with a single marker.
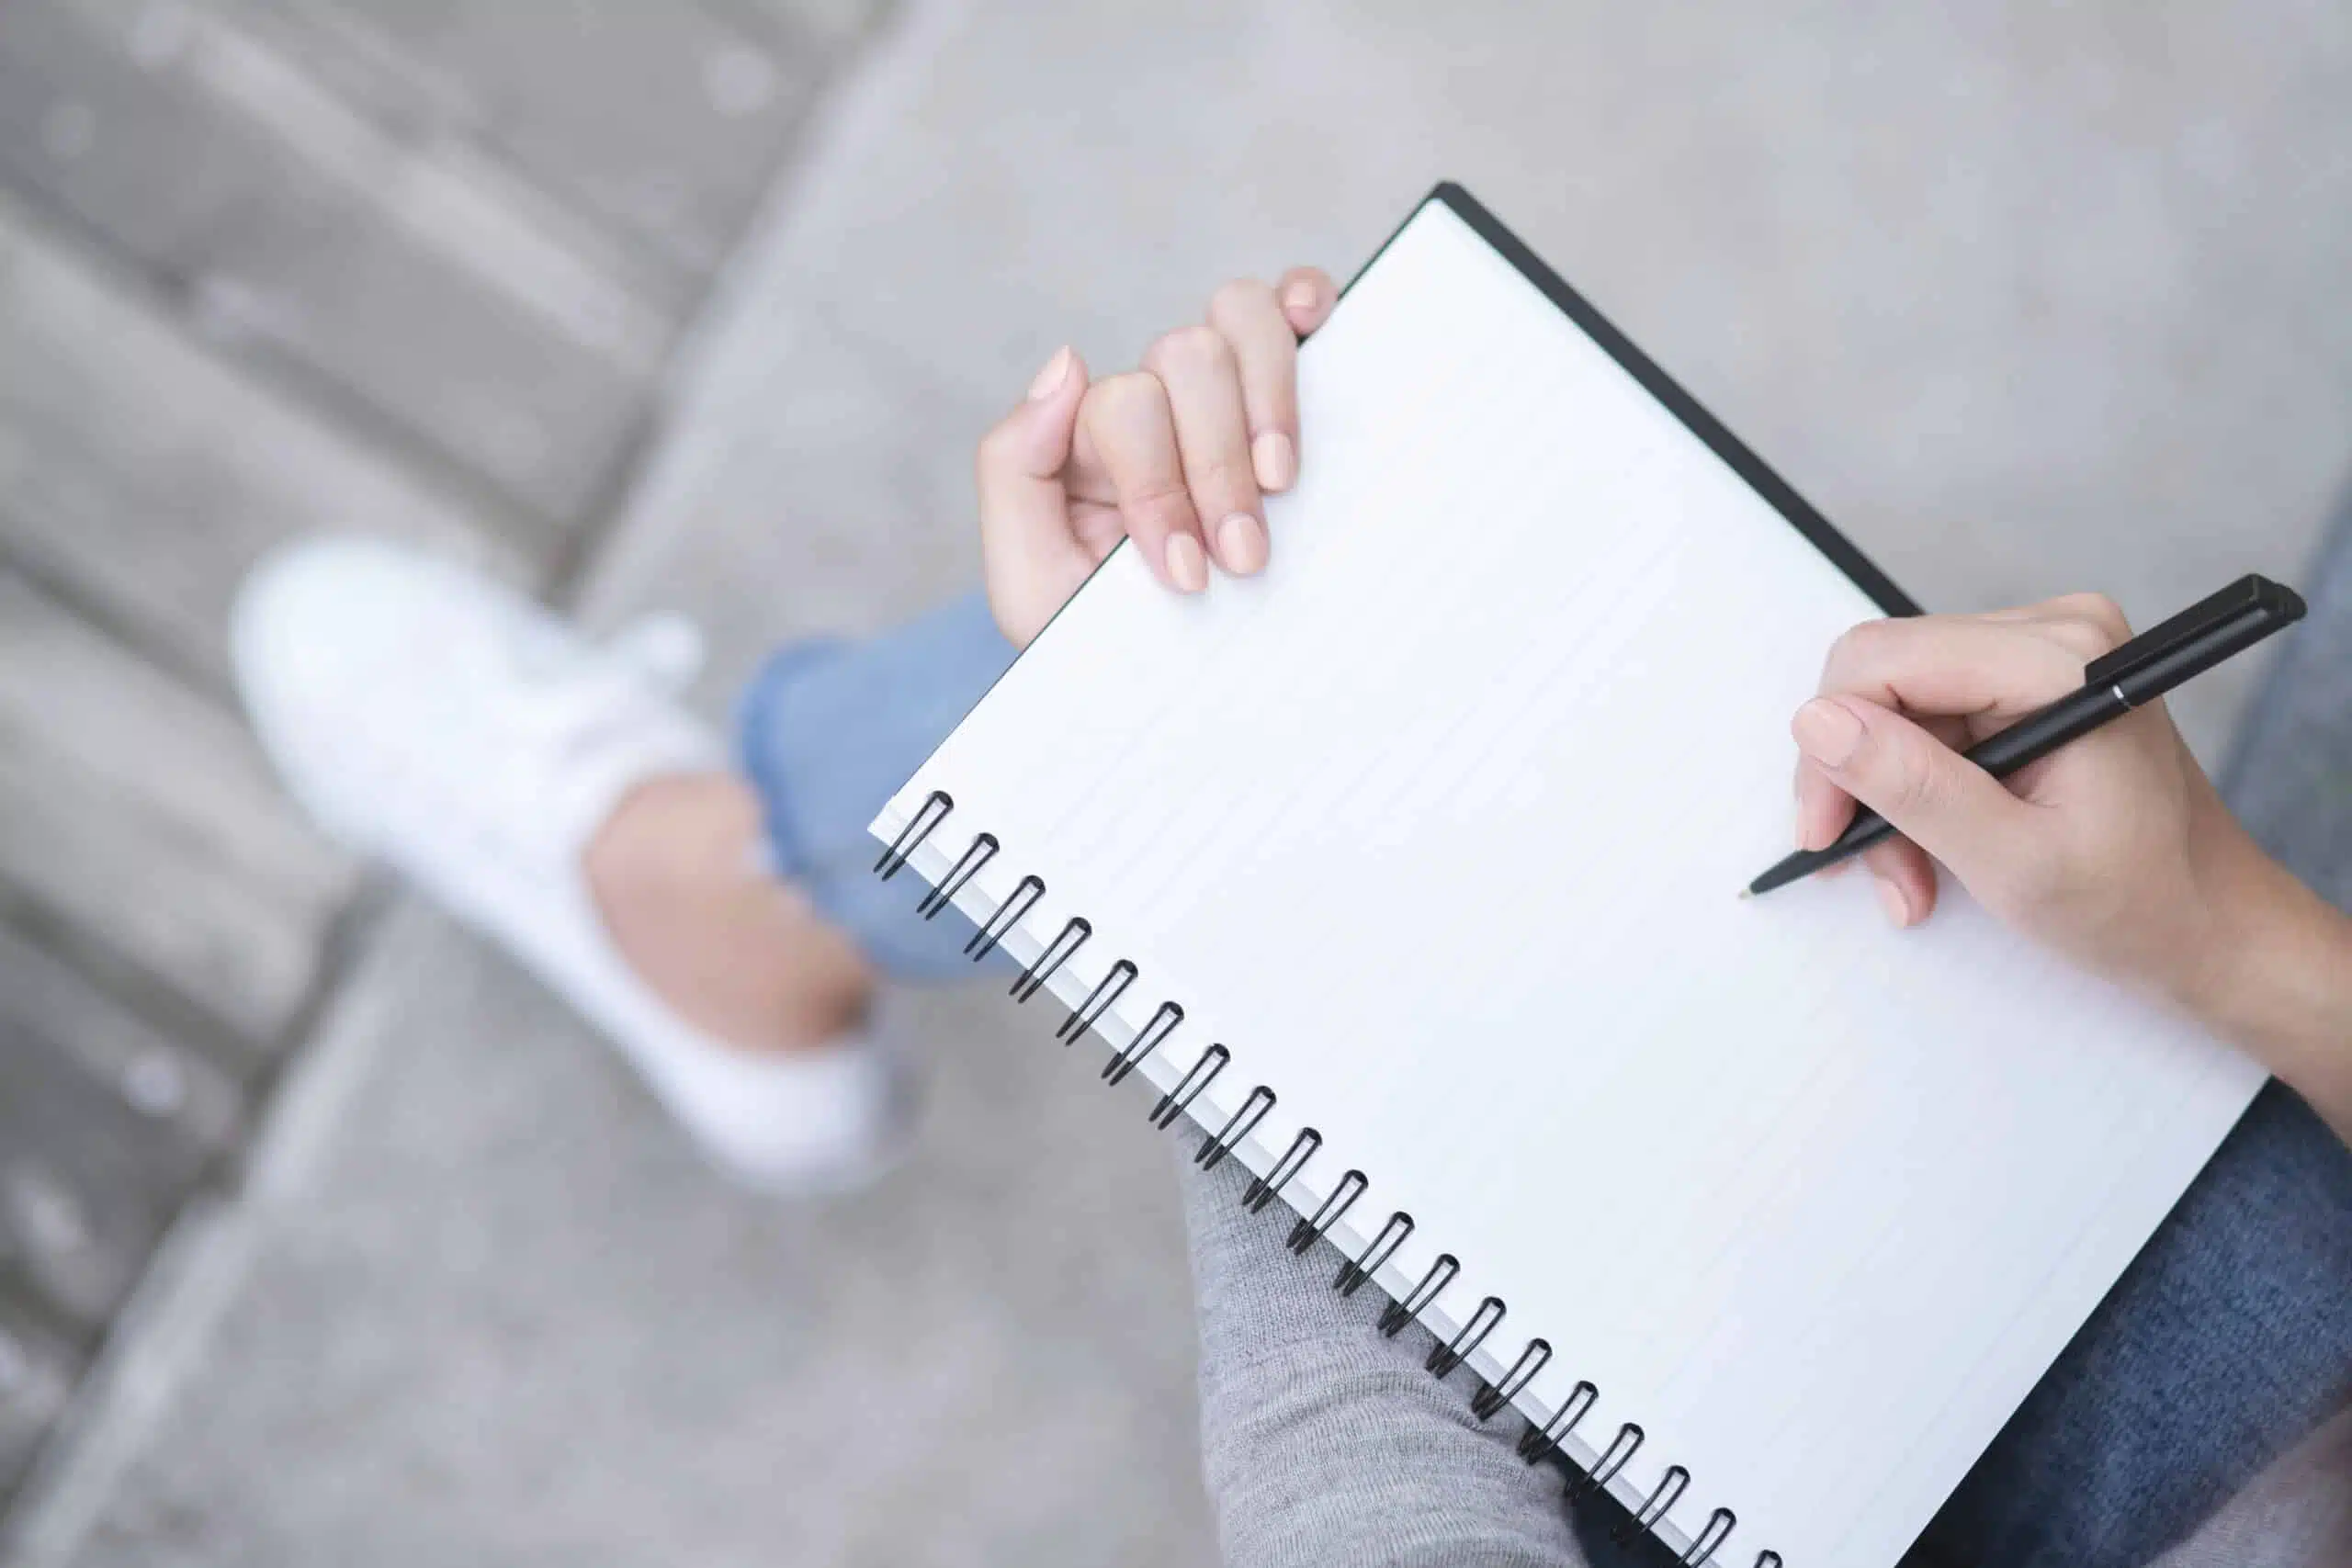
(324, 1235)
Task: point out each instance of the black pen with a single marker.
(2140, 671)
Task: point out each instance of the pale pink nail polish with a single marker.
(1241, 545)
(1300, 295)
(1890, 899)
(1275, 459)
(1049, 379)
(1187, 566)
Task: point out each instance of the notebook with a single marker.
(1406, 874)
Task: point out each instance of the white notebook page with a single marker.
(1437, 826)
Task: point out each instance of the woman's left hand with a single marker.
(1178, 455)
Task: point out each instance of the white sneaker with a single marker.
(431, 717)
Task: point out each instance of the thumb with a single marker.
(1032, 558)
(1936, 798)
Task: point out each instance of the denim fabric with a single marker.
(828, 732)
(2227, 1339)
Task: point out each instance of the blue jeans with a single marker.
(2226, 1341)
(828, 731)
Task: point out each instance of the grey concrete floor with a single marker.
(480, 1304)
(269, 266)
(2028, 299)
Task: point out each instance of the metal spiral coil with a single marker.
(983, 850)
(1052, 956)
(1307, 1232)
(1467, 1338)
(930, 814)
(1536, 1443)
(1197, 1078)
(1261, 1190)
(1007, 915)
(1163, 1024)
(1539, 1443)
(1712, 1534)
(1614, 1458)
(1238, 1126)
(1662, 1496)
(1113, 984)
(1377, 1251)
(1411, 1305)
(1491, 1397)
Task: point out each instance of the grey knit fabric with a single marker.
(1324, 1442)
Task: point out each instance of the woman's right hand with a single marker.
(1178, 455)
(2116, 851)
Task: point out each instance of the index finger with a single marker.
(1971, 667)
(1964, 677)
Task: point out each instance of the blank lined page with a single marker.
(1437, 828)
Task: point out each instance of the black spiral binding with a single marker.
(1491, 1397)
(1402, 1312)
(1536, 1444)
(1377, 1251)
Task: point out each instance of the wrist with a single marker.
(2277, 982)
(2214, 974)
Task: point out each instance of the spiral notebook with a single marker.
(1406, 874)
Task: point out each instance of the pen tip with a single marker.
(1746, 893)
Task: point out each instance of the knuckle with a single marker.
(1119, 398)
(1228, 480)
(1193, 348)
(1858, 647)
(1160, 508)
(2104, 610)
(1239, 300)
(2101, 614)
(2081, 639)
(1155, 491)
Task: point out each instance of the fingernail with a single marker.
(1890, 899)
(1275, 459)
(1301, 295)
(1187, 568)
(1825, 731)
(1050, 378)
(1241, 544)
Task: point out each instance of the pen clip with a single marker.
(2252, 594)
